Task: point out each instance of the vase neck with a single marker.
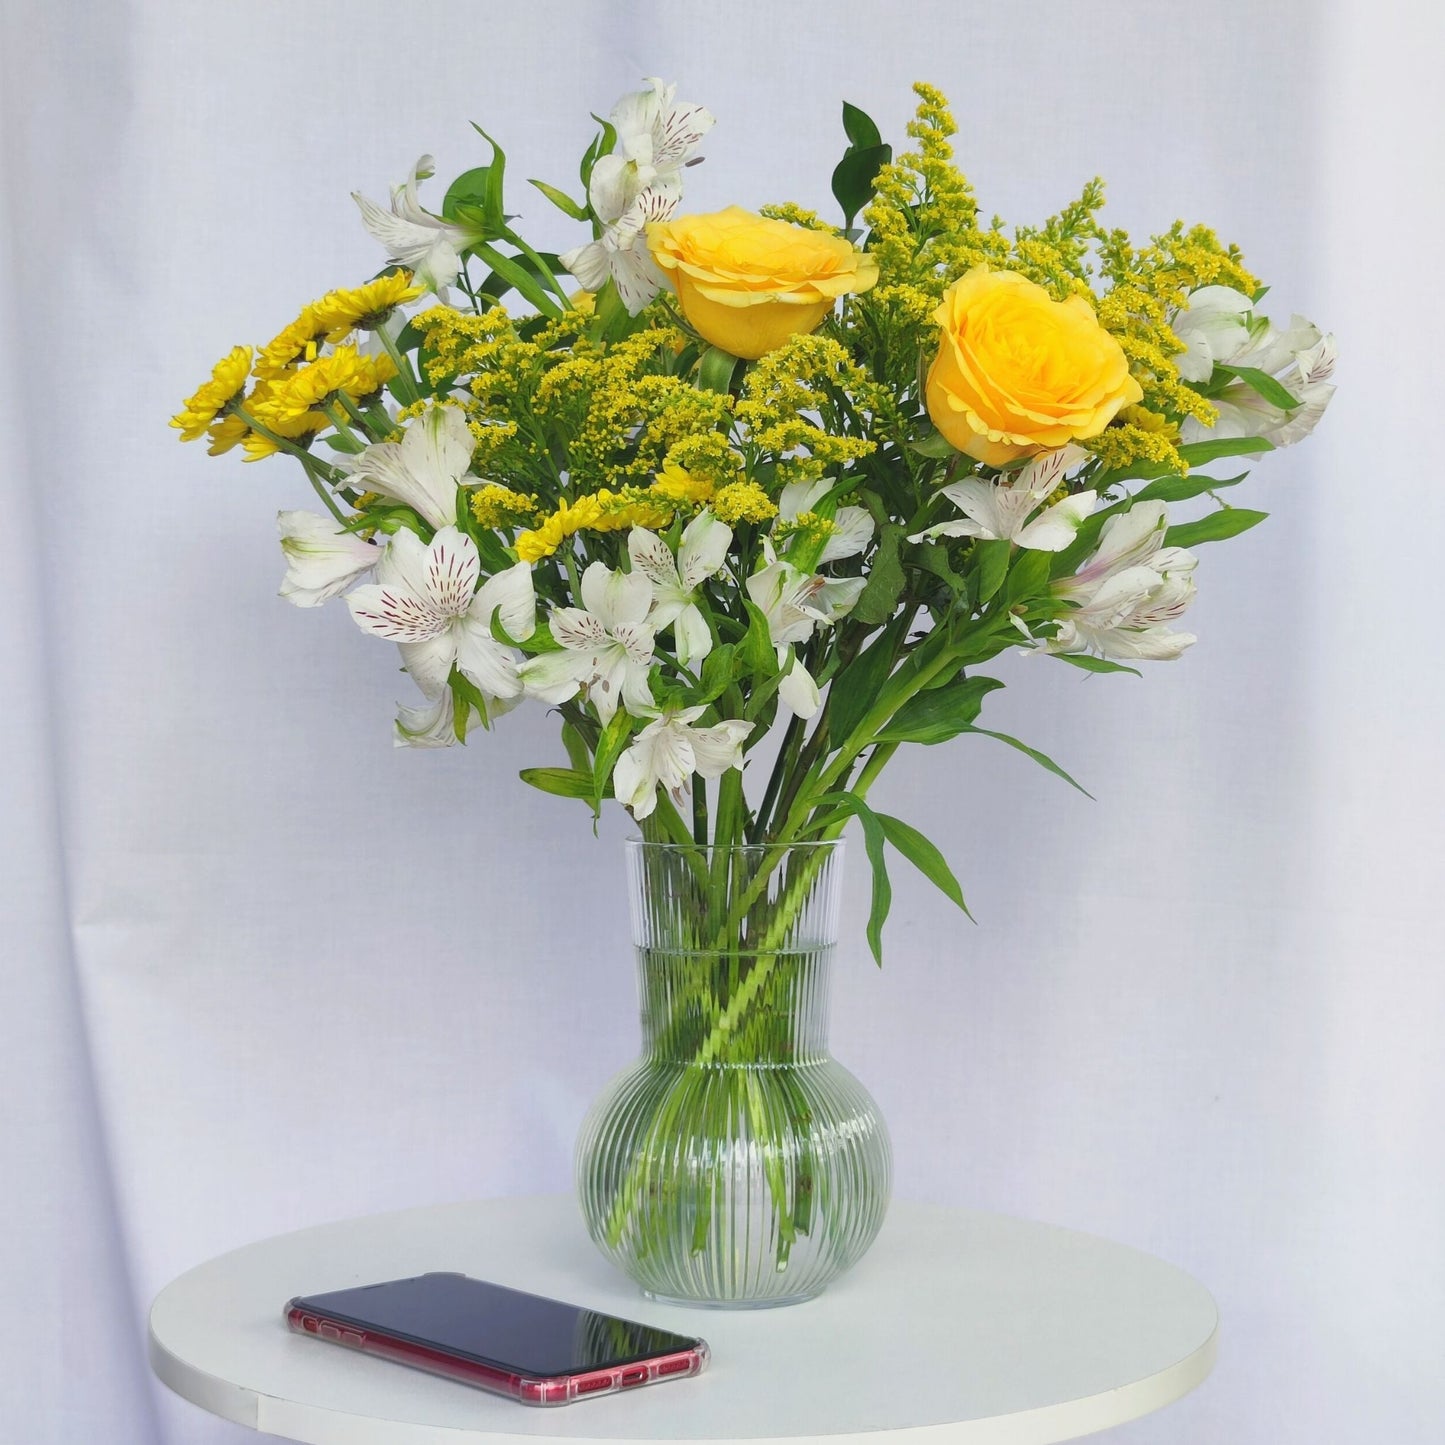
(734, 948)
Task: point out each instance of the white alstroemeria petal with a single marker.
(577, 630)
(438, 447)
(605, 680)
(424, 468)
(653, 558)
(588, 264)
(797, 691)
(432, 726)
(799, 497)
(637, 278)
(614, 184)
(636, 640)
(702, 550)
(485, 661)
(1055, 528)
(637, 690)
(720, 747)
(395, 613)
(1213, 327)
(852, 532)
(429, 660)
(835, 597)
(511, 598)
(632, 784)
(691, 635)
(452, 569)
(681, 128)
(670, 755)
(615, 598)
(1116, 598)
(404, 563)
(1273, 350)
(1296, 425)
(979, 501)
(1317, 363)
(554, 676)
(413, 237)
(1168, 561)
(777, 590)
(1127, 539)
(1043, 474)
(322, 561)
(965, 528)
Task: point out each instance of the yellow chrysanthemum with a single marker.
(300, 392)
(677, 484)
(228, 379)
(364, 307)
(569, 517)
(631, 507)
(289, 348)
(229, 432)
(262, 407)
(742, 502)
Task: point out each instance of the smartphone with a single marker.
(539, 1351)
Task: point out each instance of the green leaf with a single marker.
(1094, 664)
(934, 445)
(940, 713)
(339, 443)
(1226, 522)
(924, 856)
(933, 557)
(467, 198)
(715, 368)
(1262, 382)
(991, 560)
(859, 127)
(873, 840)
(854, 177)
(855, 689)
(465, 696)
(717, 673)
(601, 146)
(1042, 759)
(578, 753)
(878, 600)
(1181, 489)
(614, 739)
(1028, 577)
(560, 782)
(758, 654)
(492, 197)
(516, 274)
(561, 200)
(1196, 454)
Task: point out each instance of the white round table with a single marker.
(958, 1326)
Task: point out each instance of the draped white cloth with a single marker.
(260, 970)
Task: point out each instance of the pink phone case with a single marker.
(530, 1390)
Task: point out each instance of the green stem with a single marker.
(406, 381)
(315, 470)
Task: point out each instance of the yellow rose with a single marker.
(1018, 373)
(747, 284)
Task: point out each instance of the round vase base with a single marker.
(729, 1304)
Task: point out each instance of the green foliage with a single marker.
(940, 713)
(1227, 522)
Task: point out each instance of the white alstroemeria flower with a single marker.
(1216, 326)
(1128, 592)
(1220, 327)
(427, 245)
(423, 469)
(852, 526)
(675, 580)
(621, 253)
(998, 510)
(434, 725)
(606, 649)
(427, 601)
(794, 603)
(656, 138)
(322, 561)
(669, 750)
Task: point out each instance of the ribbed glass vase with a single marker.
(736, 1163)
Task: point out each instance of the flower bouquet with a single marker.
(756, 494)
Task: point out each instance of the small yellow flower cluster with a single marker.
(809, 375)
(798, 216)
(812, 529)
(497, 506)
(705, 454)
(227, 381)
(1124, 445)
(742, 502)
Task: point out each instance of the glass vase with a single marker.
(736, 1163)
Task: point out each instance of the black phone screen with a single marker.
(522, 1333)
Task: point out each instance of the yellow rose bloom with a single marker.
(1018, 373)
(747, 284)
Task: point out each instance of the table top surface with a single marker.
(958, 1326)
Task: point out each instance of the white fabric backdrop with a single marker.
(243, 987)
